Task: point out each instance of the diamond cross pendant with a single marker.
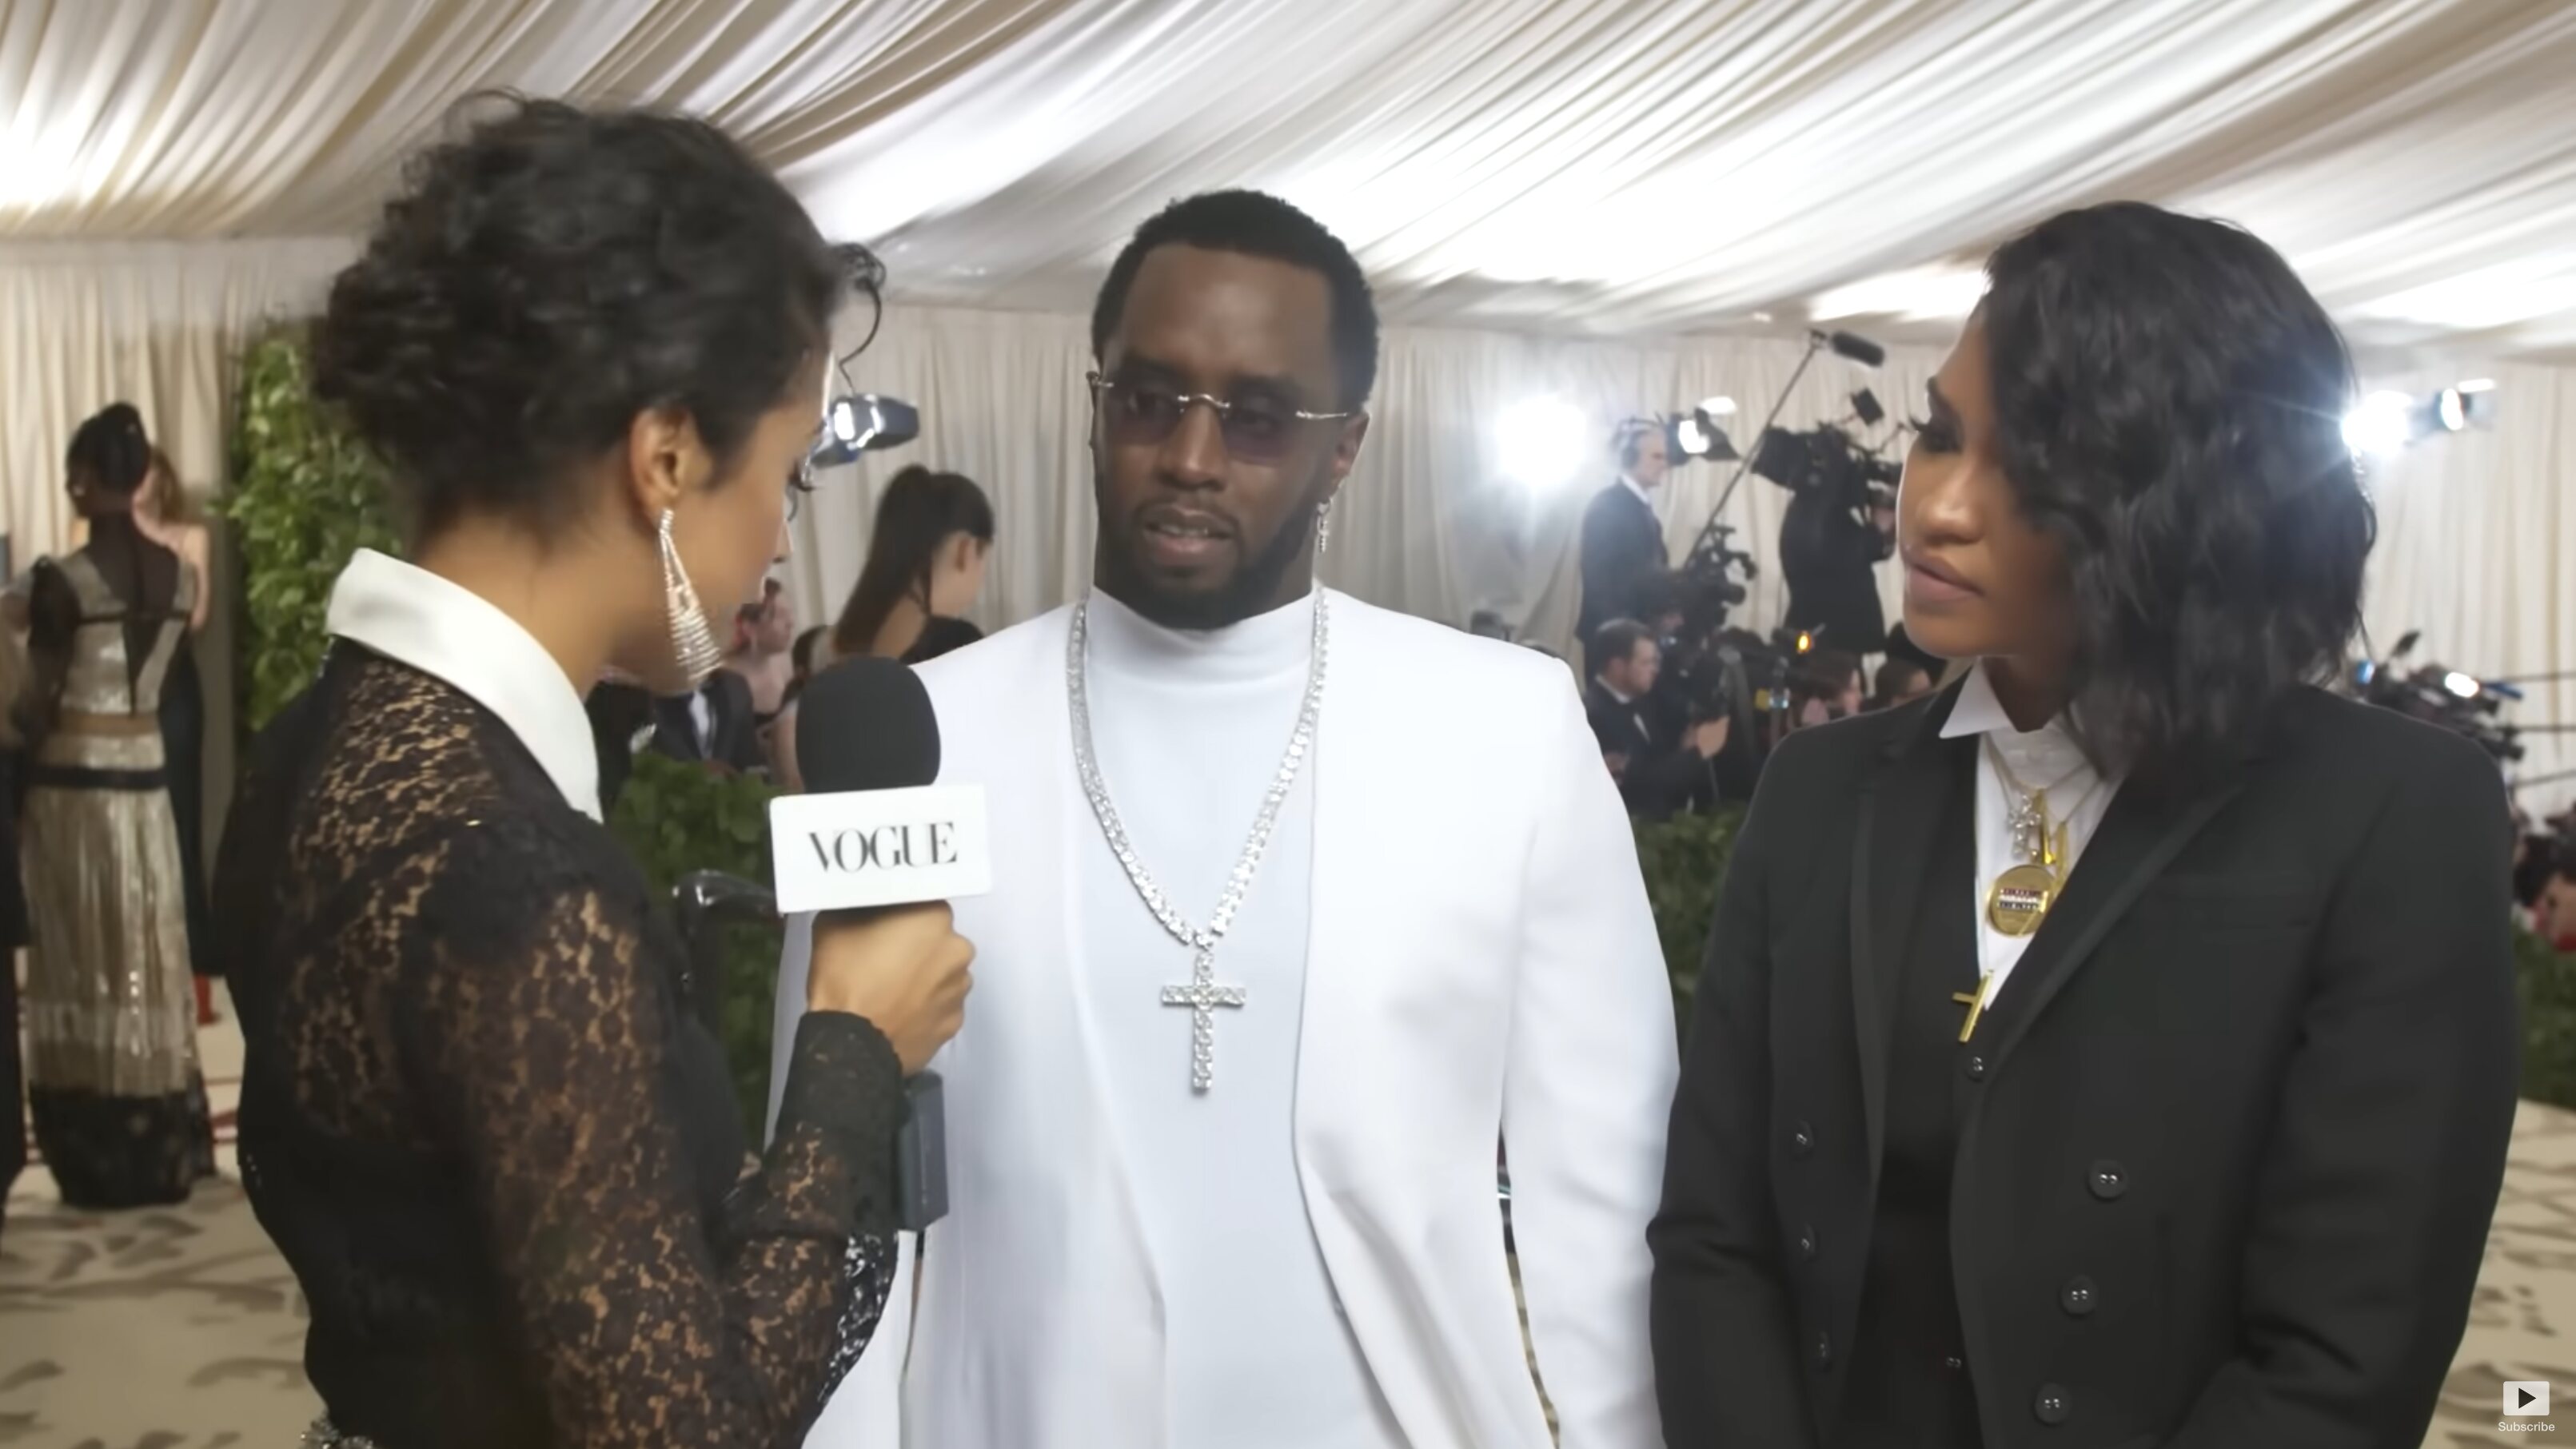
(1203, 996)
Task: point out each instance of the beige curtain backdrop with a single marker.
(2474, 528)
(1428, 522)
(2476, 534)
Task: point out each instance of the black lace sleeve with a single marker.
(540, 1033)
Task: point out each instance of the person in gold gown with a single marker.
(113, 1081)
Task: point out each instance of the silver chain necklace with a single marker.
(1203, 995)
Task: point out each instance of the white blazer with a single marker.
(1482, 962)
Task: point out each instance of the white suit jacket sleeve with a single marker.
(866, 1411)
(1588, 1090)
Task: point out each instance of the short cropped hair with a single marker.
(1254, 224)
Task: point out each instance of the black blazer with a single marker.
(1623, 547)
(2229, 1137)
(733, 728)
(1659, 777)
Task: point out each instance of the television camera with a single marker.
(2440, 695)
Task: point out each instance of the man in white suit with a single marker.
(1299, 906)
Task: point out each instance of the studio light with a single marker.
(1724, 407)
(1542, 442)
(863, 422)
(2477, 384)
(1697, 436)
(2450, 410)
(2381, 425)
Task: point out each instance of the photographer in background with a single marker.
(1623, 540)
(1830, 550)
(1658, 772)
(1900, 681)
(1823, 687)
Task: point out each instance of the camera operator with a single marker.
(1658, 772)
(1831, 544)
(1623, 541)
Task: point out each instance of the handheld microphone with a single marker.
(874, 831)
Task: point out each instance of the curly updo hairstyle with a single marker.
(2170, 403)
(109, 451)
(555, 272)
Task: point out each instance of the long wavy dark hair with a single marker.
(2170, 402)
(920, 511)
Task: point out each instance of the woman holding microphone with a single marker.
(2116, 1048)
(478, 1115)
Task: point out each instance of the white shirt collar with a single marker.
(1977, 711)
(451, 633)
(1611, 690)
(1633, 486)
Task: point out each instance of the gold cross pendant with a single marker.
(1975, 1001)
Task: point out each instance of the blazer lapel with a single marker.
(2140, 835)
(1900, 813)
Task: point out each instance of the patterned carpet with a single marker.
(181, 1328)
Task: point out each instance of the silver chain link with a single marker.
(1301, 742)
(1202, 943)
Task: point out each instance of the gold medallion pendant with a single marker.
(2020, 899)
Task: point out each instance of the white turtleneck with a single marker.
(1190, 729)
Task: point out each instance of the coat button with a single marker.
(1824, 1352)
(1807, 1243)
(2052, 1406)
(2077, 1297)
(1802, 1140)
(1976, 1069)
(2107, 1180)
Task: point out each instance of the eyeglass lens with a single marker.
(1255, 429)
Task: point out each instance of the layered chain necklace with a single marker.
(2019, 900)
(1203, 995)
(2021, 896)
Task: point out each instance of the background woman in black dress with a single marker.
(2116, 1048)
(926, 557)
(479, 1114)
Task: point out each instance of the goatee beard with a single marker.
(1253, 590)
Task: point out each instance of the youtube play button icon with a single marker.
(2527, 1400)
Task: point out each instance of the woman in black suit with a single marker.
(479, 1116)
(2117, 1048)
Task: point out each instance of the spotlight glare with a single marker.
(2462, 685)
(2476, 384)
(1542, 442)
(1724, 407)
(2380, 425)
(2451, 409)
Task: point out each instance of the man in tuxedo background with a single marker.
(1658, 770)
(714, 726)
(1623, 541)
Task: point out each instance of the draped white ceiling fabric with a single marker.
(1605, 166)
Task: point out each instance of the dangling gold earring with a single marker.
(693, 644)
